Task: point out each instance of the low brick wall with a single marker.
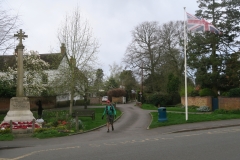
(47, 102)
(229, 103)
(198, 101)
(95, 100)
(117, 99)
(225, 103)
(4, 104)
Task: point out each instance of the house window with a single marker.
(45, 78)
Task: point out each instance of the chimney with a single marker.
(63, 48)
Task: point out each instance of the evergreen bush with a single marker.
(158, 99)
(81, 102)
(194, 93)
(206, 92)
(235, 92)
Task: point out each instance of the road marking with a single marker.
(110, 144)
(94, 145)
(34, 152)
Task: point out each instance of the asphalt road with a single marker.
(130, 140)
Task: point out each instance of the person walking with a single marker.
(110, 111)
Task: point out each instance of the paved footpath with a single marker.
(134, 121)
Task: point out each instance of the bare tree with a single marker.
(8, 26)
(156, 51)
(115, 71)
(145, 50)
(81, 47)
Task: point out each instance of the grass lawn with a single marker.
(177, 109)
(179, 118)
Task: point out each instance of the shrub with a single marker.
(158, 98)
(206, 92)
(81, 102)
(80, 124)
(225, 94)
(235, 92)
(63, 103)
(193, 107)
(194, 93)
(5, 131)
(203, 109)
(175, 98)
(189, 90)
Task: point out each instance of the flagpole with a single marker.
(185, 61)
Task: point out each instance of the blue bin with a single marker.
(162, 114)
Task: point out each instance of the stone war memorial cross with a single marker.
(19, 110)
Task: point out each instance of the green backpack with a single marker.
(109, 111)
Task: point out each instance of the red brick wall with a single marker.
(229, 103)
(95, 100)
(47, 102)
(117, 99)
(225, 103)
(198, 101)
(4, 104)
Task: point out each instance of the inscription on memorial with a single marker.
(19, 104)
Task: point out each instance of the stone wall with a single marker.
(229, 103)
(47, 102)
(198, 101)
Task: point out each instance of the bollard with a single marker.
(162, 114)
(11, 126)
(33, 125)
(77, 125)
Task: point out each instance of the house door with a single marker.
(214, 104)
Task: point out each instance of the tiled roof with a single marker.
(7, 61)
(53, 59)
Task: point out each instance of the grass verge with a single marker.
(177, 109)
(179, 118)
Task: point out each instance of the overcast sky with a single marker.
(111, 20)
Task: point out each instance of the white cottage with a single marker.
(55, 60)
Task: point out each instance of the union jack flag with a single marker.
(196, 24)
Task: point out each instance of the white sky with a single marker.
(111, 20)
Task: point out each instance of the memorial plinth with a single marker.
(19, 110)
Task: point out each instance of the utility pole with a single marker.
(141, 92)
